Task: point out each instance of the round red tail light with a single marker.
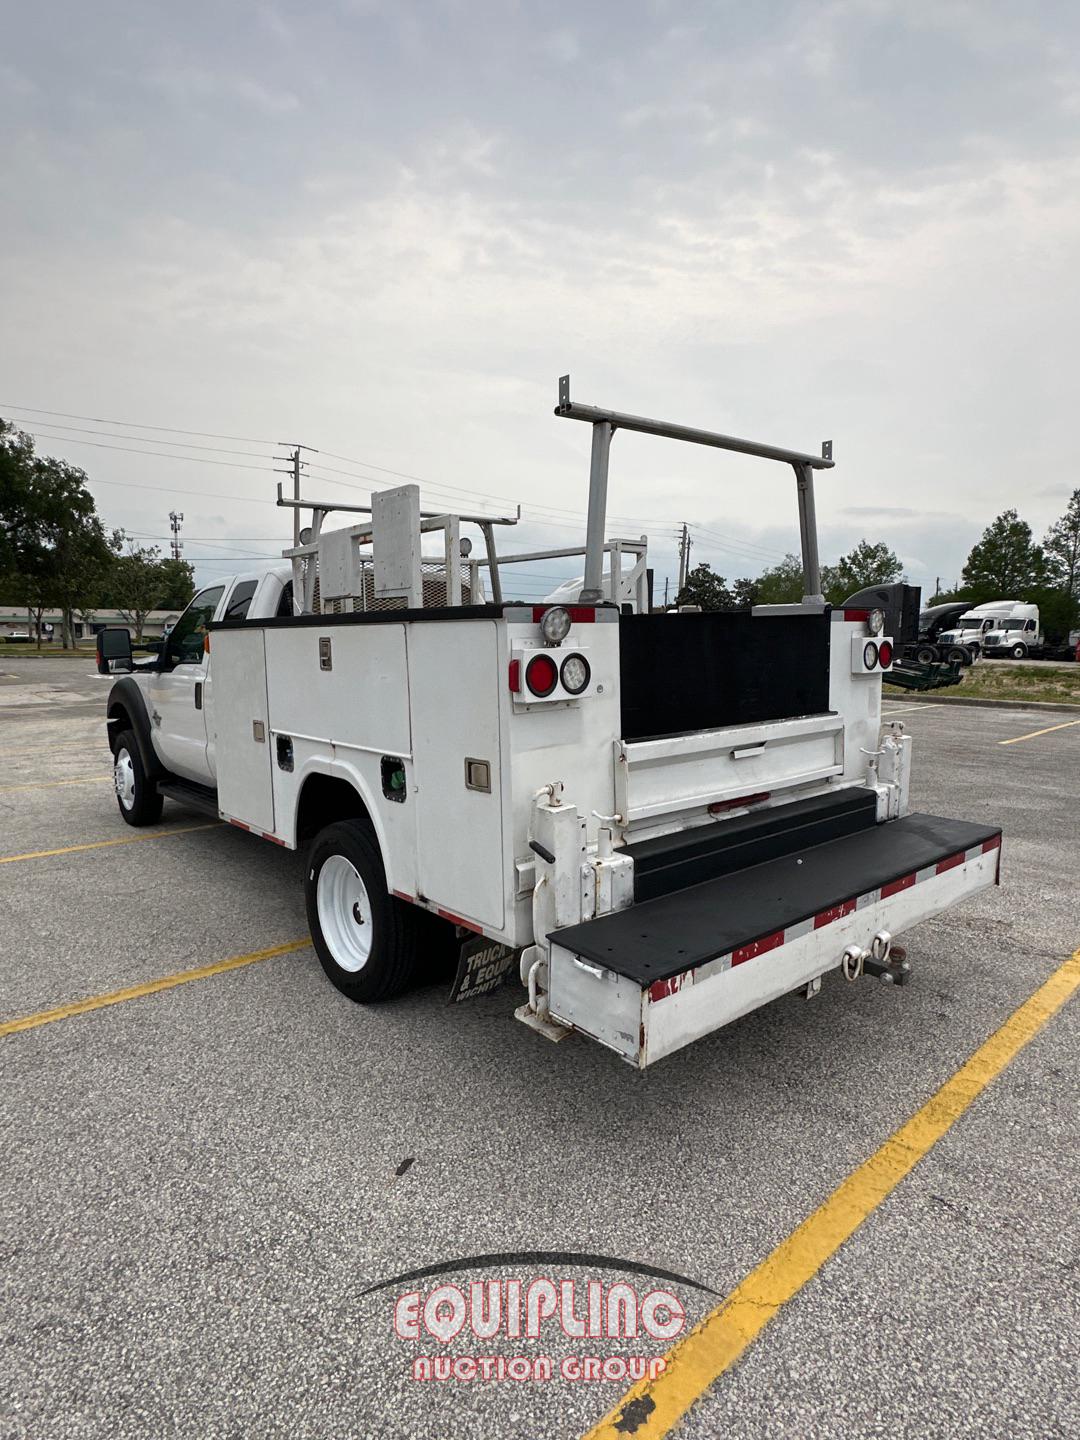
(541, 675)
(884, 654)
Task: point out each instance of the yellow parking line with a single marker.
(104, 844)
(51, 784)
(54, 749)
(1034, 733)
(651, 1407)
(149, 987)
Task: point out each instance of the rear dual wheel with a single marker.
(367, 940)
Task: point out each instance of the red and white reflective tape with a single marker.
(259, 834)
(660, 989)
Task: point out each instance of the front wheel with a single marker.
(365, 938)
(1019, 652)
(136, 795)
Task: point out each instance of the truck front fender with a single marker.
(127, 706)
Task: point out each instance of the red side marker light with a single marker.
(515, 676)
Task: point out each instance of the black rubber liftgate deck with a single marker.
(662, 937)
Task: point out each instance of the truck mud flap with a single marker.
(648, 980)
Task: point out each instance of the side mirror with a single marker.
(113, 650)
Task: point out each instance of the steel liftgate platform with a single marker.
(651, 978)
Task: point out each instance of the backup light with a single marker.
(575, 674)
(555, 626)
(541, 675)
(870, 655)
(876, 621)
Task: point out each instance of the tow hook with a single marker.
(884, 960)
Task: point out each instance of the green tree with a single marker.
(867, 564)
(781, 584)
(746, 592)
(53, 542)
(177, 584)
(18, 509)
(1005, 564)
(135, 582)
(705, 588)
(1061, 547)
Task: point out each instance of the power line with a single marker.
(148, 440)
(156, 454)
(134, 425)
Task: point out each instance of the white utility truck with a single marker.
(666, 819)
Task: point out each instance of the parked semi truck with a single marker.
(664, 820)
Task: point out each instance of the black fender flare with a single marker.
(126, 697)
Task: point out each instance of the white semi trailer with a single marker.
(667, 820)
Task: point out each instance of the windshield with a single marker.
(1013, 625)
(972, 624)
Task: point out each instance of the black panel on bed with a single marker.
(726, 667)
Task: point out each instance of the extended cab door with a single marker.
(177, 691)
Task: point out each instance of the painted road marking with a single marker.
(651, 1407)
(906, 709)
(54, 749)
(149, 987)
(1017, 738)
(104, 844)
(51, 784)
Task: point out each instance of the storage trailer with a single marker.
(664, 820)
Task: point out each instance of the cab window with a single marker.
(186, 638)
(240, 600)
(285, 605)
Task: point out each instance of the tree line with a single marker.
(56, 554)
(1005, 564)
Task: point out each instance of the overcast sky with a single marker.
(384, 229)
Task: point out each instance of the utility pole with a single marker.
(666, 583)
(295, 465)
(684, 557)
(176, 519)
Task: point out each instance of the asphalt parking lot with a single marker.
(201, 1182)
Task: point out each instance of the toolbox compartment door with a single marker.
(675, 773)
(242, 728)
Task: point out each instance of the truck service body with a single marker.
(666, 819)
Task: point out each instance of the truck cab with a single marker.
(175, 720)
(1019, 634)
(971, 629)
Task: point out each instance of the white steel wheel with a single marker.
(365, 937)
(345, 916)
(136, 794)
(124, 778)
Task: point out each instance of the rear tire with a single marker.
(136, 795)
(926, 655)
(959, 656)
(365, 938)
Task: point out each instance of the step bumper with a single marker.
(649, 980)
